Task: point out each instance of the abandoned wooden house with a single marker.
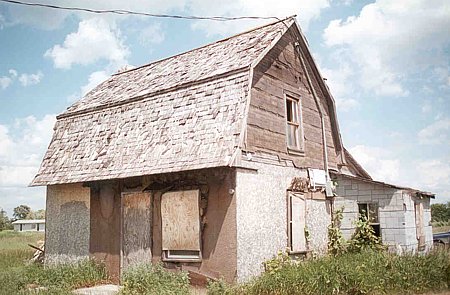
(212, 161)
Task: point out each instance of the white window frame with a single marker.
(297, 122)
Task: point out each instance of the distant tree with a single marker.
(5, 222)
(39, 214)
(22, 212)
(440, 212)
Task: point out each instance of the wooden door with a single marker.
(136, 229)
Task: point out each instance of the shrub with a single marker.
(279, 261)
(154, 279)
(336, 242)
(364, 237)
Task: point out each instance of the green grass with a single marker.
(154, 279)
(352, 273)
(16, 273)
(441, 229)
(11, 240)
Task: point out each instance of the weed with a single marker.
(154, 279)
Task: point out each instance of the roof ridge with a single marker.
(206, 45)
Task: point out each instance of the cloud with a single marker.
(386, 36)
(434, 174)
(94, 40)
(339, 81)
(5, 82)
(306, 10)
(152, 34)
(94, 79)
(22, 146)
(30, 79)
(24, 79)
(51, 19)
(436, 133)
(378, 162)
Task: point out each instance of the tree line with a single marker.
(440, 212)
(20, 212)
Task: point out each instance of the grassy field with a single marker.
(441, 229)
(18, 275)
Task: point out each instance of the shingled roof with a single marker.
(181, 113)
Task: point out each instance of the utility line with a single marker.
(129, 12)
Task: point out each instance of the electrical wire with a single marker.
(129, 12)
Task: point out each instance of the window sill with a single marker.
(295, 151)
(181, 260)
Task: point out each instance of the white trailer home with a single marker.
(29, 225)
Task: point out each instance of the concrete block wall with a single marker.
(411, 236)
(67, 223)
(390, 208)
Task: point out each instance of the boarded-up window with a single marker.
(296, 222)
(180, 225)
(293, 123)
(418, 210)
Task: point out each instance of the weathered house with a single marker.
(211, 160)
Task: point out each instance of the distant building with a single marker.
(29, 225)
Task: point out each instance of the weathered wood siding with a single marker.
(280, 70)
(136, 229)
(105, 226)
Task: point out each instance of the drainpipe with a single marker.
(322, 120)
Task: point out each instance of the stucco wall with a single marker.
(67, 223)
(318, 218)
(261, 215)
(395, 207)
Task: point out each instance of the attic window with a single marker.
(293, 123)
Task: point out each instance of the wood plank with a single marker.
(136, 229)
(298, 222)
(180, 220)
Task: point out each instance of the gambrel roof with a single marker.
(181, 113)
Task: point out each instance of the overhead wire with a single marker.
(130, 12)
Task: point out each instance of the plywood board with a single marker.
(298, 223)
(180, 220)
(136, 229)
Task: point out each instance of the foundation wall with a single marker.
(67, 223)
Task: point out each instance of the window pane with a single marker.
(292, 136)
(289, 110)
(373, 213)
(295, 112)
(362, 209)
